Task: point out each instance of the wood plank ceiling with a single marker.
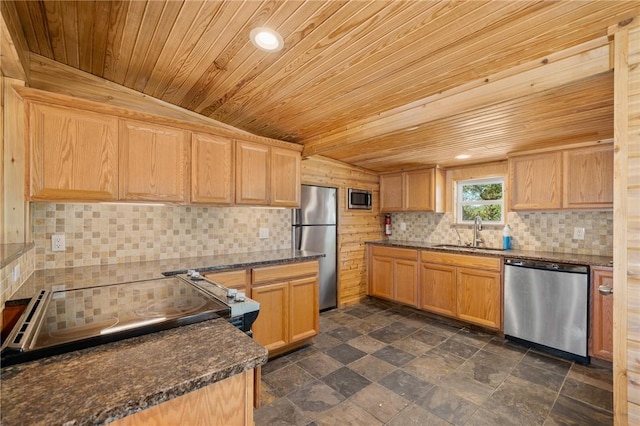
(346, 67)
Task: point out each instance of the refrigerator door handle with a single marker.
(297, 237)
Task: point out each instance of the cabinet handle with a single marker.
(605, 290)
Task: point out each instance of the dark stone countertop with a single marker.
(100, 384)
(578, 259)
(92, 276)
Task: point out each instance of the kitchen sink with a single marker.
(458, 247)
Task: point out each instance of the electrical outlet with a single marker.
(264, 233)
(403, 226)
(58, 243)
(578, 233)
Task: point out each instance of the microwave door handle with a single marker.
(369, 200)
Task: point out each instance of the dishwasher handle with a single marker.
(605, 290)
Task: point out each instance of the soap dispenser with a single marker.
(506, 238)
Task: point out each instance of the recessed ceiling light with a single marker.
(266, 39)
(463, 156)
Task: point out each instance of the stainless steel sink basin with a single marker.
(457, 247)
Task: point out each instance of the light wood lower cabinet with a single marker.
(479, 297)
(231, 279)
(227, 402)
(289, 305)
(601, 339)
(465, 287)
(393, 274)
(438, 289)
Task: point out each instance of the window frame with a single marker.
(480, 181)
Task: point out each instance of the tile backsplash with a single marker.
(8, 285)
(541, 231)
(98, 234)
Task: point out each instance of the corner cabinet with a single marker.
(267, 175)
(289, 305)
(416, 190)
(212, 169)
(601, 326)
(579, 178)
(74, 154)
(154, 161)
(393, 274)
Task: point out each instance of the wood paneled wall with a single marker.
(626, 254)
(355, 227)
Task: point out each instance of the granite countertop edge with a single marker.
(582, 259)
(28, 397)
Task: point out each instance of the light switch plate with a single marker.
(403, 226)
(578, 233)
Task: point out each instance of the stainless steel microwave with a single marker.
(359, 199)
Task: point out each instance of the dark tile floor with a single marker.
(376, 363)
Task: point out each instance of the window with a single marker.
(482, 197)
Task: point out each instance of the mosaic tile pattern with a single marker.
(542, 231)
(7, 285)
(98, 234)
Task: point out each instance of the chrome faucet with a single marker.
(477, 227)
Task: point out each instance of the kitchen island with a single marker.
(112, 381)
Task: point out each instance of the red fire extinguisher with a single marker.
(387, 224)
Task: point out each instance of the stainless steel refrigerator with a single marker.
(314, 229)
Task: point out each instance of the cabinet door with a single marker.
(391, 192)
(418, 190)
(304, 309)
(405, 281)
(535, 181)
(479, 295)
(601, 342)
(588, 177)
(381, 277)
(438, 288)
(153, 162)
(74, 154)
(211, 169)
(252, 173)
(285, 178)
(271, 329)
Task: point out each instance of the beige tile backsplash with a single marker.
(542, 231)
(7, 284)
(115, 233)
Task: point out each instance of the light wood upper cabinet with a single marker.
(588, 177)
(580, 178)
(74, 154)
(601, 315)
(212, 169)
(153, 162)
(285, 177)
(535, 181)
(416, 190)
(252, 173)
(267, 175)
(391, 192)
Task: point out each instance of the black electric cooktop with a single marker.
(64, 321)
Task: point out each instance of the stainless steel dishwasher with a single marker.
(546, 304)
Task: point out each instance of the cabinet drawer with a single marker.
(486, 263)
(233, 279)
(396, 253)
(283, 272)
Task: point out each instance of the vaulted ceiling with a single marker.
(379, 84)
